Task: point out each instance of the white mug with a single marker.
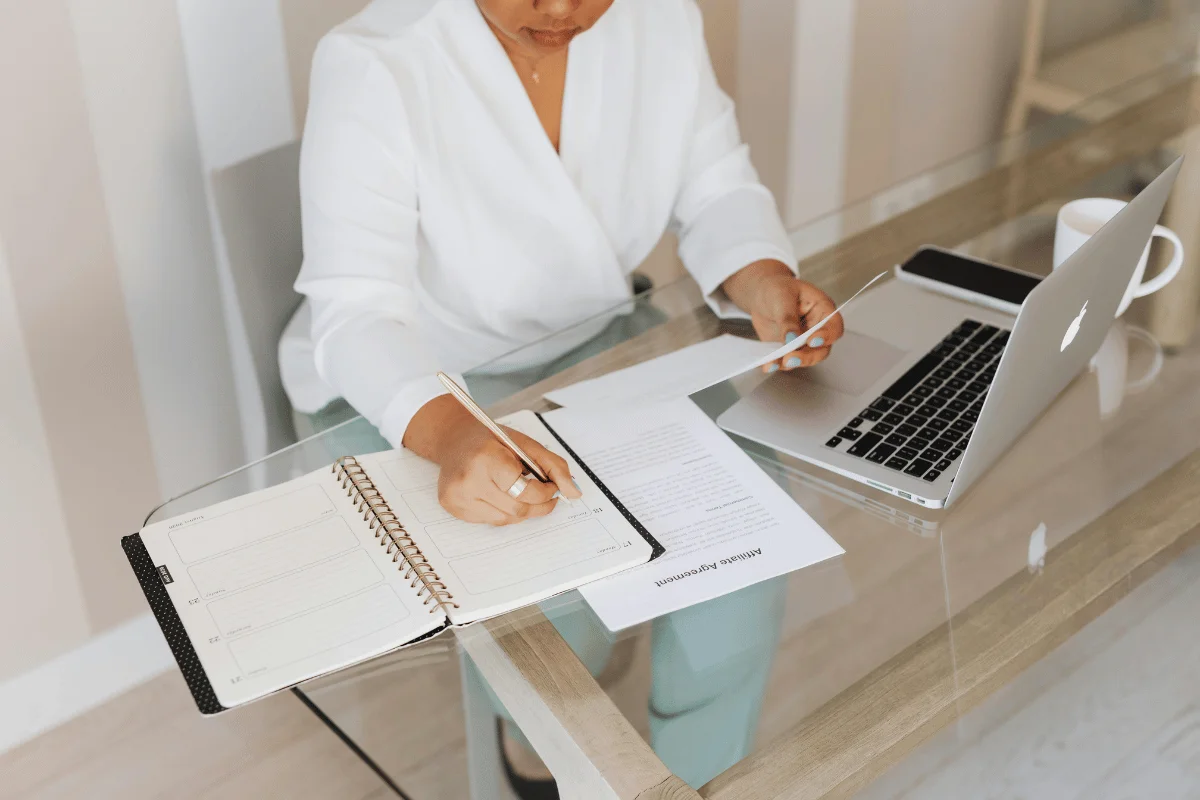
(1079, 219)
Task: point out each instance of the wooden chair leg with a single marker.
(1031, 60)
(1019, 107)
(1174, 311)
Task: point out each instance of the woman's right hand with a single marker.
(477, 470)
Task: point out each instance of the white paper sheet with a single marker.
(685, 371)
(725, 524)
(668, 377)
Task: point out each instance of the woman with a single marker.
(477, 174)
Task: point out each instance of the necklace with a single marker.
(534, 66)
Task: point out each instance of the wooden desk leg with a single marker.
(1173, 311)
(589, 746)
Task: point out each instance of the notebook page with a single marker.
(725, 524)
(283, 585)
(491, 570)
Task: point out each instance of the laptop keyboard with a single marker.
(921, 424)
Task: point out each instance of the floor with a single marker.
(151, 743)
(1096, 713)
(1106, 715)
(406, 710)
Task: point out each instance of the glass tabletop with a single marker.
(1037, 639)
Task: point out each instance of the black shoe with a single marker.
(523, 787)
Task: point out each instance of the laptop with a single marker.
(924, 393)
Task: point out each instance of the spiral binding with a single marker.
(361, 489)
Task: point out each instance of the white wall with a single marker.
(932, 80)
(820, 104)
(794, 71)
(147, 151)
(33, 531)
(115, 377)
(841, 98)
(765, 54)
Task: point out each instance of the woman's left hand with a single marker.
(780, 304)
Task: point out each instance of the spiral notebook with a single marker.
(265, 591)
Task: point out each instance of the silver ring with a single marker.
(519, 485)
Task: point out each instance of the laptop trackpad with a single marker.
(856, 362)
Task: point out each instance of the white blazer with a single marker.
(442, 230)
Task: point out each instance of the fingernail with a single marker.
(576, 484)
(791, 337)
(792, 362)
(556, 496)
(772, 368)
(816, 341)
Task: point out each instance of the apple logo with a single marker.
(1073, 328)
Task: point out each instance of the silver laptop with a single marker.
(924, 393)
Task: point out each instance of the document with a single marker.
(685, 371)
(725, 524)
(668, 377)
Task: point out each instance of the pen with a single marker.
(471, 406)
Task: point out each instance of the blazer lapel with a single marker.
(501, 91)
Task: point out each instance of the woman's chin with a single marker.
(550, 41)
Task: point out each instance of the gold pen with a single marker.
(470, 405)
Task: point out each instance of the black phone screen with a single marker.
(974, 276)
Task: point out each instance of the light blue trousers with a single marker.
(709, 666)
(709, 663)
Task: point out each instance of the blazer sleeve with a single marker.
(359, 207)
(723, 214)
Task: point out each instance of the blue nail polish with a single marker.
(772, 368)
(816, 342)
(556, 495)
(793, 362)
(791, 337)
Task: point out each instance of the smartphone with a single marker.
(969, 279)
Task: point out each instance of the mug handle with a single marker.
(1167, 275)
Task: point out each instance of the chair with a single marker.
(1061, 84)
(258, 209)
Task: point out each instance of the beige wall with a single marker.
(69, 307)
(931, 79)
(117, 380)
(114, 370)
(721, 29)
(39, 560)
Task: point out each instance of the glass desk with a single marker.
(1038, 640)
